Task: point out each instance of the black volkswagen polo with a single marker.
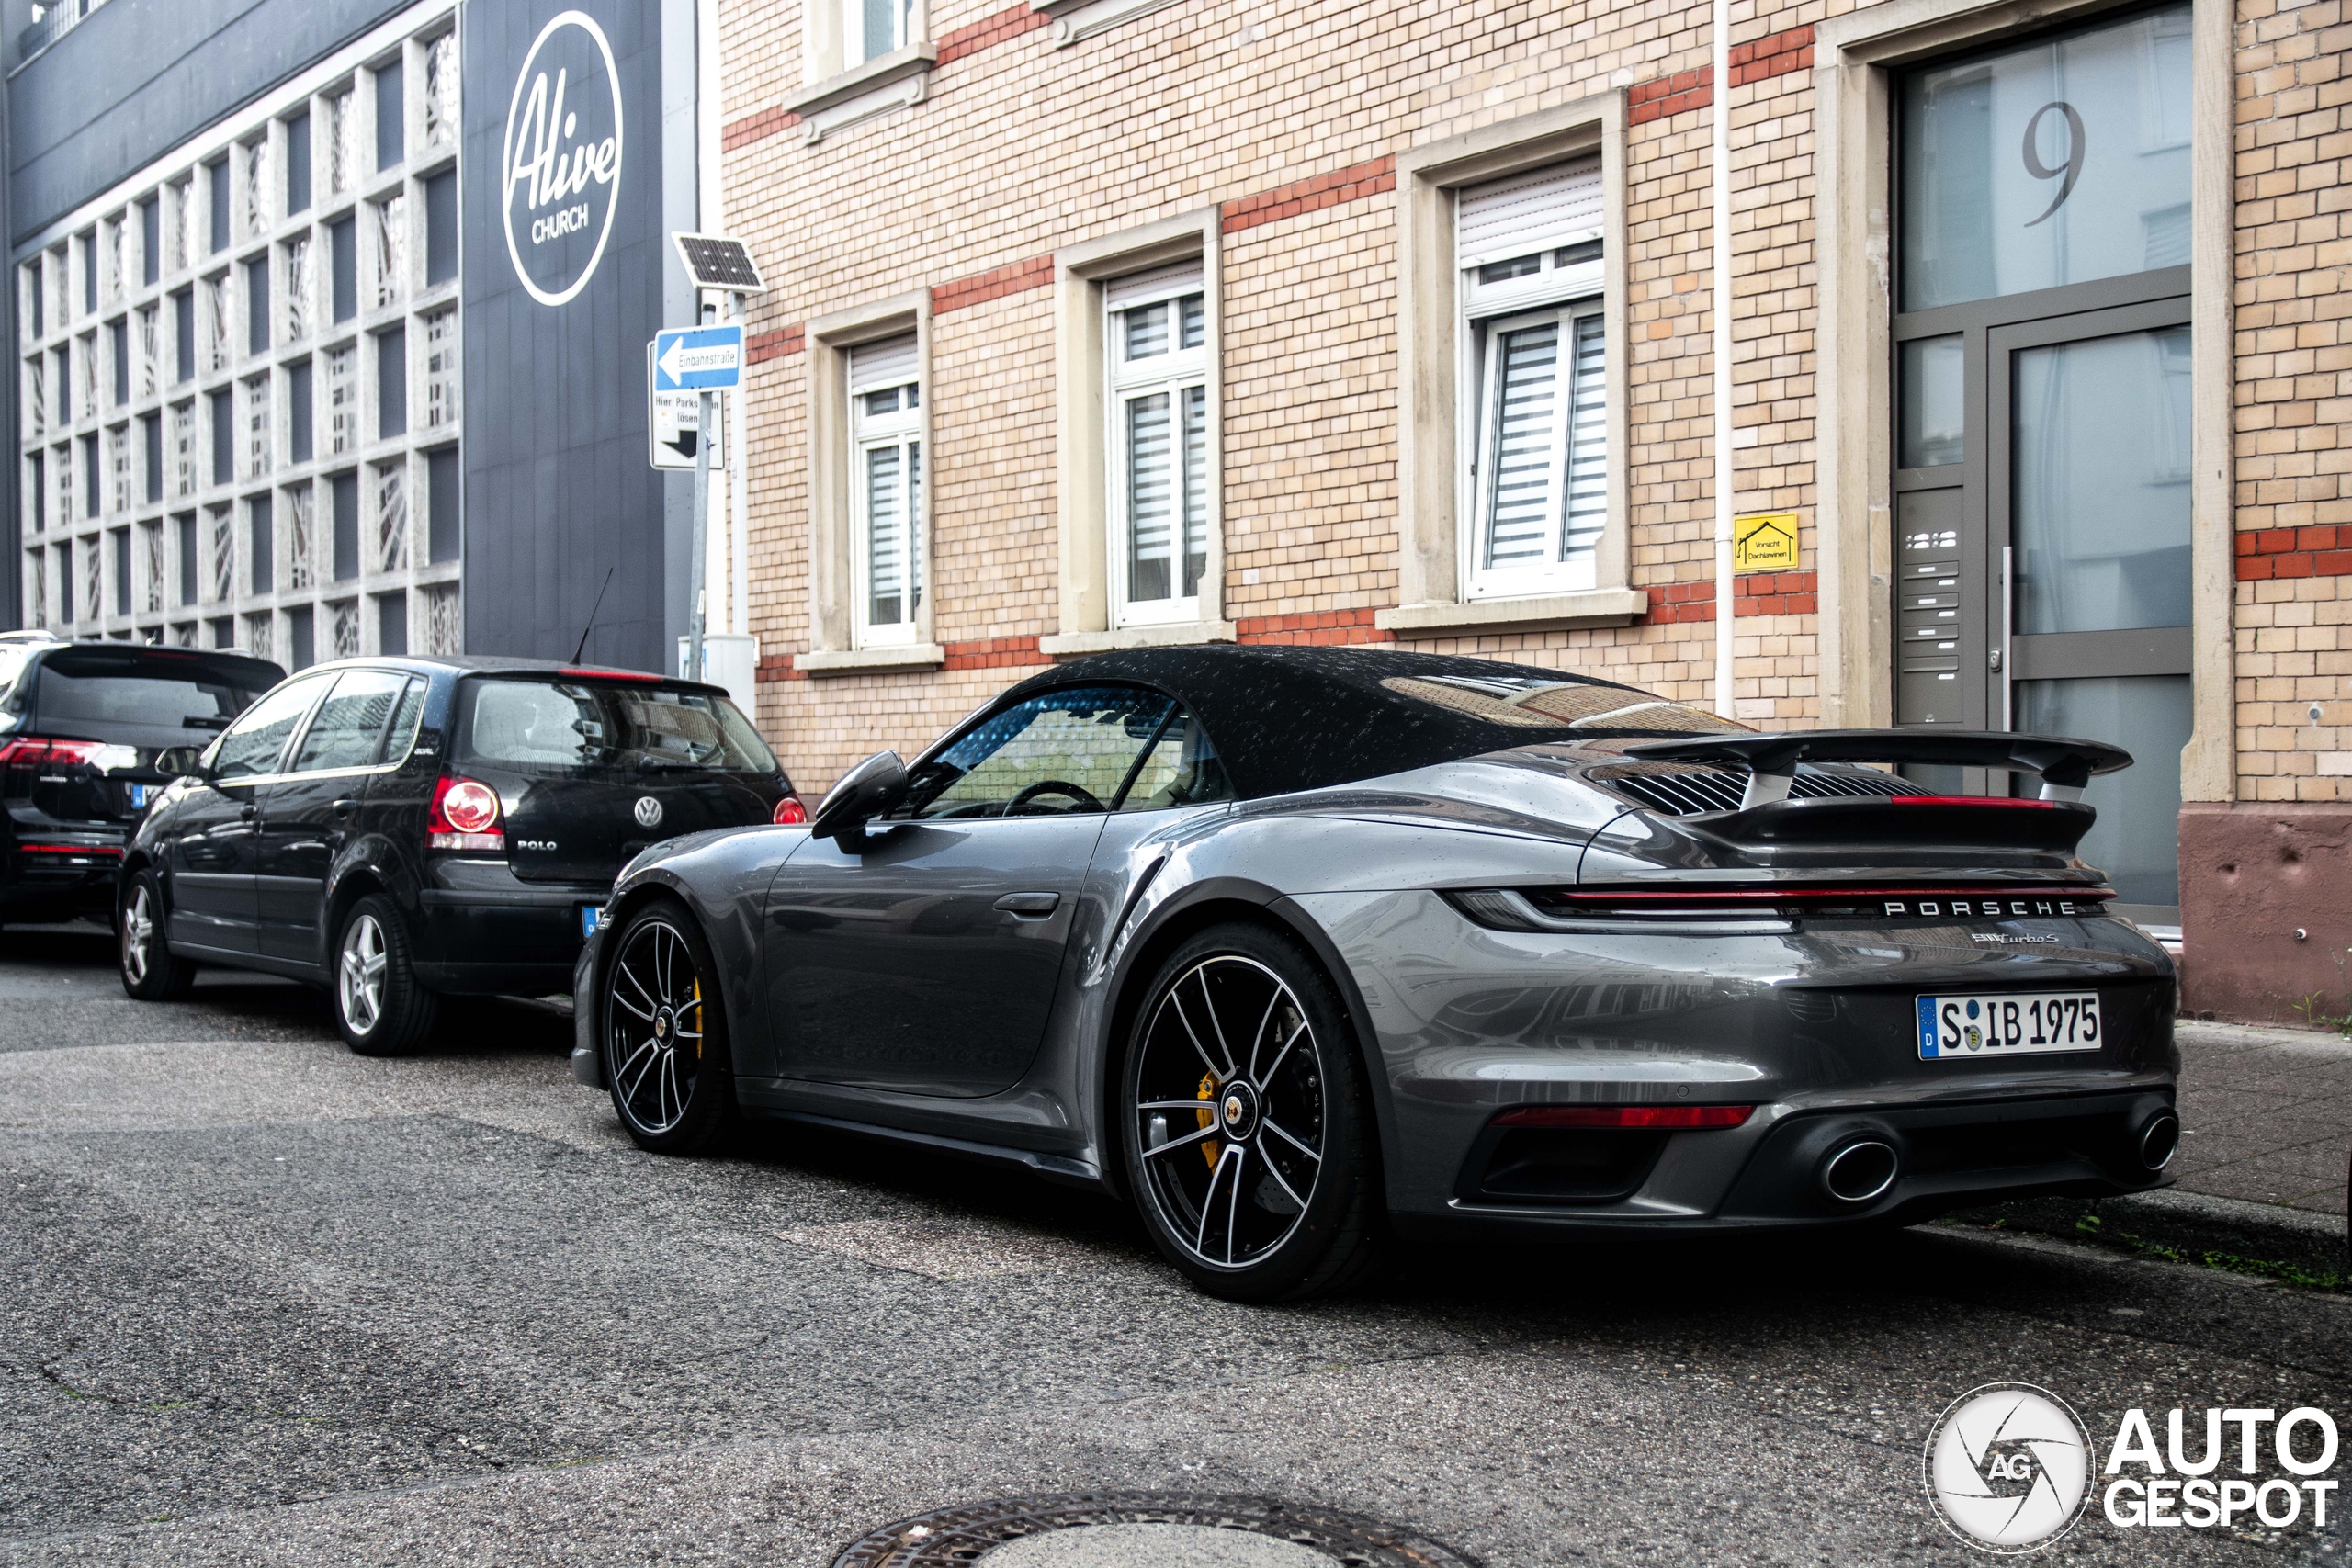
(400, 829)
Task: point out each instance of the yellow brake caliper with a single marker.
(697, 1019)
(1208, 1118)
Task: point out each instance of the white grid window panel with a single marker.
(301, 538)
(444, 633)
(391, 517)
(258, 640)
(346, 629)
(36, 586)
(71, 420)
(151, 540)
(222, 529)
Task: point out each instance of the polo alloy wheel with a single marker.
(150, 972)
(380, 1007)
(359, 974)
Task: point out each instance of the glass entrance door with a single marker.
(2041, 436)
(2089, 518)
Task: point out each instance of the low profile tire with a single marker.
(380, 1007)
(1248, 1124)
(150, 972)
(665, 1040)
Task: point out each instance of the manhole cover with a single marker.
(1187, 1530)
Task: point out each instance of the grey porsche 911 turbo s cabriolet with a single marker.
(1301, 948)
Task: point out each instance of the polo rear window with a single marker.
(572, 726)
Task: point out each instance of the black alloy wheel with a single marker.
(150, 972)
(665, 1034)
(380, 1007)
(1248, 1124)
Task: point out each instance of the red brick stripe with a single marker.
(778, 666)
(754, 127)
(1753, 593)
(773, 346)
(1775, 55)
(989, 31)
(1351, 184)
(2266, 553)
(1318, 628)
(1034, 273)
(994, 653)
(1664, 96)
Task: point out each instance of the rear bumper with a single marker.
(485, 932)
(66, 869)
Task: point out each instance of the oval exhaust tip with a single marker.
(1860, 1171)
(2159, 1140)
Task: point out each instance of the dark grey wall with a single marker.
(137, 77)
(558, 490)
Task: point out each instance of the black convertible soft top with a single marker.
(1285, 718)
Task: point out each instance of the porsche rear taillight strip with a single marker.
(1629, 1117)
(1838, 894)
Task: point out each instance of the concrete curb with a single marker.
(2190, 1221)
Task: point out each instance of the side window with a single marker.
(252, 746)
(1180, 768)
(350, 722)
(406, 718)
(1064, 752)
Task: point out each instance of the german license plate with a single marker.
(2008, 1025)
(591, 916)
(141, 793)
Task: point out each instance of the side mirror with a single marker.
(179, 762)
(865, 792)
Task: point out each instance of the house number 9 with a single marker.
(2071, 170)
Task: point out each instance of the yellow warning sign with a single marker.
(1765, 541)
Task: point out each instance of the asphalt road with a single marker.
(262, 1301)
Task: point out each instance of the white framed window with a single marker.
(343, 142)
(442, 378)
(389, 220)
(146, 330)
(347, 628)
(151, 540)
(119, 466)
(441, 93)
(391, 483)
(94, 580)
(875, 28)
(887, 491)
(257, 194)
(213, 322)
(1157, 338)
(1535, 382)
(37, 585)
(297, 254)
(184, 449)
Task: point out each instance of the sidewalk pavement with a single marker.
(2265, 1115)
(2265, 1138)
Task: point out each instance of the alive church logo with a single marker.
(562, 167)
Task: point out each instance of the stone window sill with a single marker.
(1551, 611)
(856, 660)
(890, 81)
(1180, 634)
(1075, 20)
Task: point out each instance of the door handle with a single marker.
(1030, 905)
(344, 807)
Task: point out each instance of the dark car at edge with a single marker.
(89, 733)
(401, 829)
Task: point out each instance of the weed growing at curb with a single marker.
(2091, 1229)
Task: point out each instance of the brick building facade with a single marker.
(988, 196)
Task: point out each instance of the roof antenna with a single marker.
(591, 617)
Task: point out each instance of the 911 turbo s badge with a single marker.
(649, 811)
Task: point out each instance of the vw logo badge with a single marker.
(649, 811)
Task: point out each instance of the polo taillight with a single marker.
(789, 812)
(464, 815)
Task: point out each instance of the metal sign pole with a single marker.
(701, 546)
(738, 510)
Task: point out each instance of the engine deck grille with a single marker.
(1687, 791)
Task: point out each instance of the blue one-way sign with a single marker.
(698, 359)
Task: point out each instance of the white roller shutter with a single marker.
(1186, 278)
(890, 363)
(1557, 205)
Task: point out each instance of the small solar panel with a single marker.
(716, 261)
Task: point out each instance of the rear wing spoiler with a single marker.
(2064, 765)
